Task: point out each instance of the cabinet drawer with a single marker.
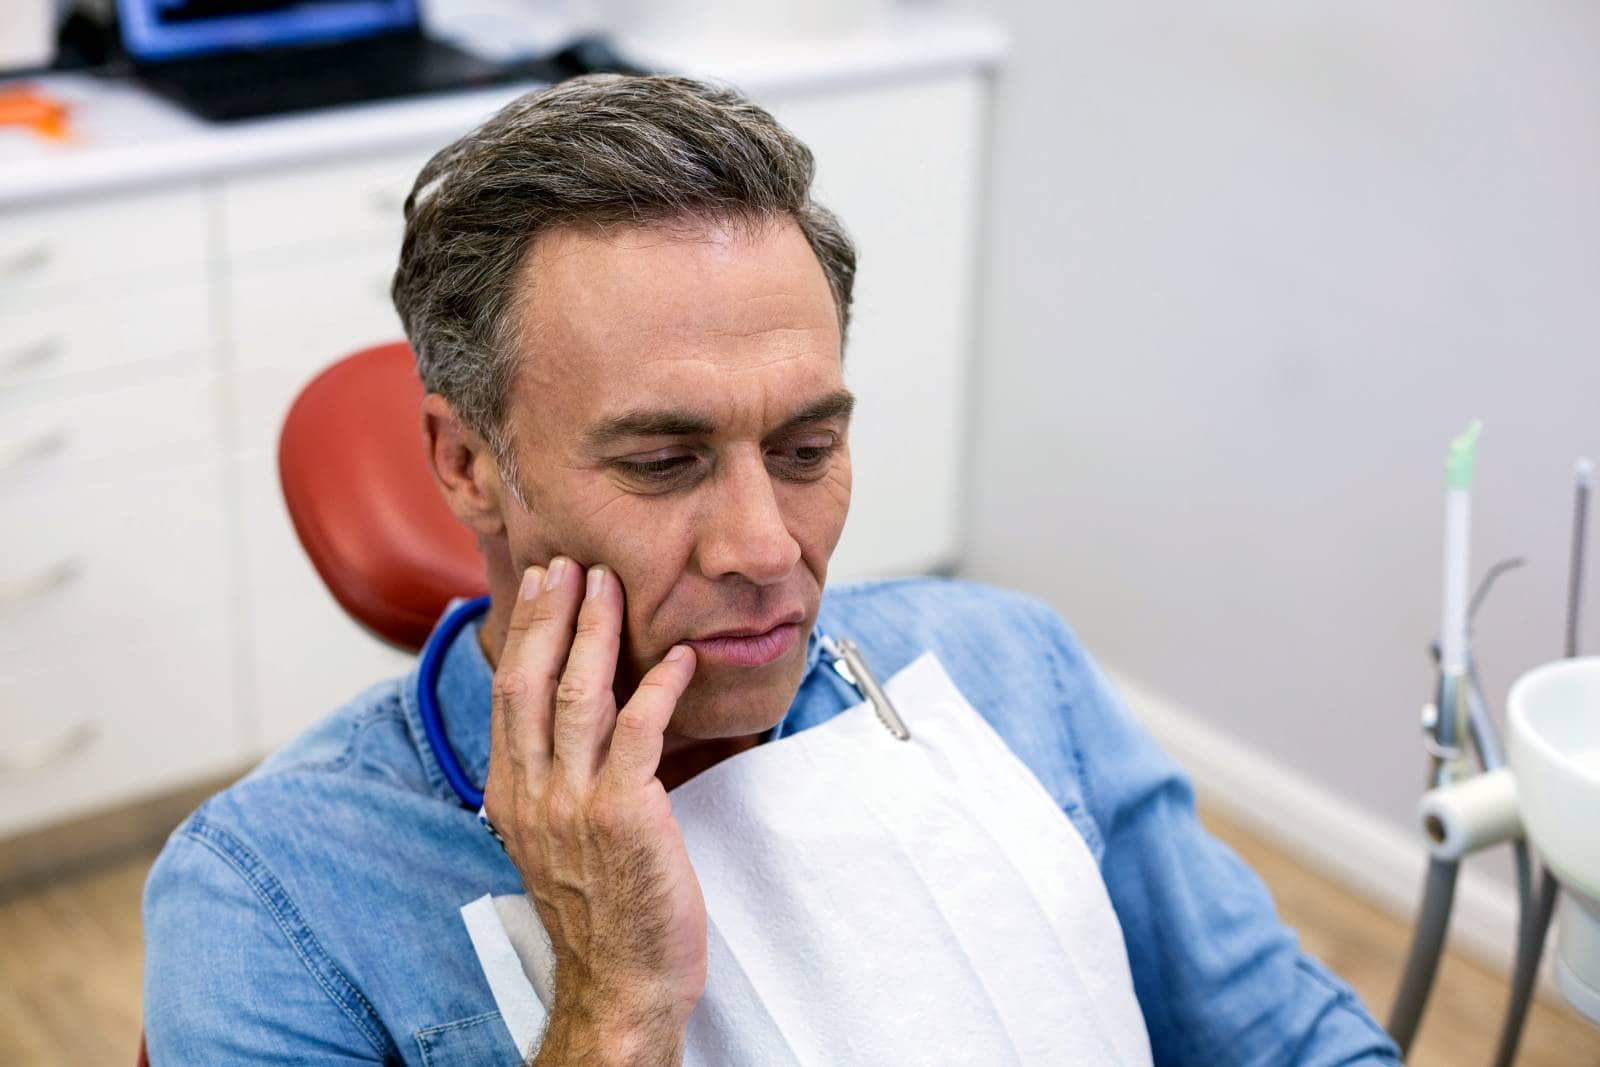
(119, 326)
(48, 430)
(306, 206)
(91, 723)
(112, 562)
(45, 249)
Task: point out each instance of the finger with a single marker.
(537, 639)
(642, 723)
(501, 721)
(585, 705)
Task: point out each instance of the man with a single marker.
(629, 317)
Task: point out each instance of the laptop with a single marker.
(240, 59)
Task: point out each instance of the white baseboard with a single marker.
(1327, 832)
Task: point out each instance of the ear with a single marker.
(464, 467)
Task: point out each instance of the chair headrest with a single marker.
(363, 500)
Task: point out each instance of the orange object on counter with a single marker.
(27, 106)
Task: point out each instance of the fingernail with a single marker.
(597, 582)
(558, 567)
(531, 580)
(677, 653)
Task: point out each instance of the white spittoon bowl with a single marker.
(1554, 713)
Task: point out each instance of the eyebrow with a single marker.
(836, 405)
(677, 423)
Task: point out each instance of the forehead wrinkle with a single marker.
(602, 302)
(762, 331)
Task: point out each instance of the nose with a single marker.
(743, 533)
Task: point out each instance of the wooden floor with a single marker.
(70, 957)
(1368, 946)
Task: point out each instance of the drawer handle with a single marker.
(29, 259)
(60, 576)
(42, 754)
(30, 357)
(33, 450)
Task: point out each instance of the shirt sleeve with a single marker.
(231, 973)
(1219, 977)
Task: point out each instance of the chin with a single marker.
(742, 705)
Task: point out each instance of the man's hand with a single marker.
(572, 790)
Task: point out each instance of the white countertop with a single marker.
(124, 137)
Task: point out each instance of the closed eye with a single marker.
(659, 470)
(805, 459)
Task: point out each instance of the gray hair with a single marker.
(591, 152)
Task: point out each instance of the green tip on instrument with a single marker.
(1463, 453)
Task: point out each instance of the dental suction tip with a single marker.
(1583, 472)
(1463, 453)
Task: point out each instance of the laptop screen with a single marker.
(167, 29)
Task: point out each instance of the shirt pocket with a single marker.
(480, 1039)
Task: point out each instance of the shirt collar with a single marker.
(464, 685)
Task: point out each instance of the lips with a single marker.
(747, 646)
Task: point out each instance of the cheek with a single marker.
(817, 512)
(591, 522)
(649, 547)
(530, 542)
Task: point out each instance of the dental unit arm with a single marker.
(1473, 800)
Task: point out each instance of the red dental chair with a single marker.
(362, 499)
(364, 503)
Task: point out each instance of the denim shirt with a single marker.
(310, 913)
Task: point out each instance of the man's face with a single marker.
(679, 413)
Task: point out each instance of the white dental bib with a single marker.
(877, 901)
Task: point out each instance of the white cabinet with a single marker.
(119, 548)
(117, 670)
(97, 329)
(293, 210)
(114, 715)
(43, 250)
(158, 619)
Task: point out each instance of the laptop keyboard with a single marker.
(252, 84)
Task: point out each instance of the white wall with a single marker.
(1251, 265)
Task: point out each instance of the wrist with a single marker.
(589, 1026)
(570, 1041)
